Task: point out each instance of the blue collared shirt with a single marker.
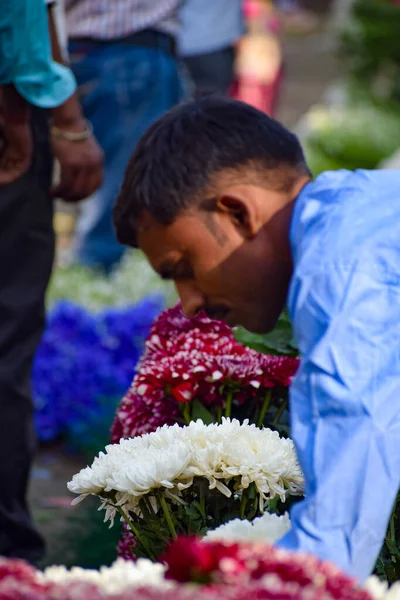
(344, 303)
(25, 55)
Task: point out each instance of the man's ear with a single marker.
(241, 213)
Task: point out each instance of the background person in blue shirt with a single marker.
(220, 199)
(30, 81)
(207, 39)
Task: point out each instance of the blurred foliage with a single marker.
(132, 280)
(352, 136)
(370, 46)
(364, 129)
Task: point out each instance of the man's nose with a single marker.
(192, 299)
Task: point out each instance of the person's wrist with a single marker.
(69, 116)
(72, 124)
(83, 131)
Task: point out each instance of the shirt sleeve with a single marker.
(345, 411)
(25, 55)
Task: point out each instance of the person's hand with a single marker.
(81, 167)
(15, 151)
(15, 135)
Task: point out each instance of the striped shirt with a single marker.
(114, 19)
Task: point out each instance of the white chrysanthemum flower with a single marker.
(262, 457)
(156, 468)
(90, 480)
(268, 529)
(171, 457)
(115, 579)
(380, 590)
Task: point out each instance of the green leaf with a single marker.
(393, 549)
(279, 341)
(199, 411)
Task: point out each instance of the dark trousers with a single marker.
(26, 256)
(212, 72)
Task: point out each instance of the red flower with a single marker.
(191, 560)
(172, 332)
(258, 571)
(183, 392)
(194, 359)
(279, 370)
(137, 415)
(126, 544)
(17, 569)
(19, 581)
(230, 571)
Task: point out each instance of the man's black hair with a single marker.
(178, 155)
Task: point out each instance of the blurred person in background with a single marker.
(210, 31)
(259, 63)
(123, 54)
(30, 82)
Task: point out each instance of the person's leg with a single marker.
(124, 89)
(26, 256)
(212, 72)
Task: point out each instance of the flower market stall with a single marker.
(201, 469)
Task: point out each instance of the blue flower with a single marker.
(85, 364)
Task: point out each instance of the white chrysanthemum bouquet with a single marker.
(189, 480)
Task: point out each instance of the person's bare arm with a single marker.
(81, 161)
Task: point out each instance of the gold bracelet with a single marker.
(72, 136)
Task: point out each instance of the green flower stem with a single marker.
(264, 408)
(229, 400)
(219, 414)
(135, 531)
(203, 504)
(255, 506)
(149, 506)
(280, 412)
(167, 515)
(243, 504)
(186, 412)
(393, 524)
